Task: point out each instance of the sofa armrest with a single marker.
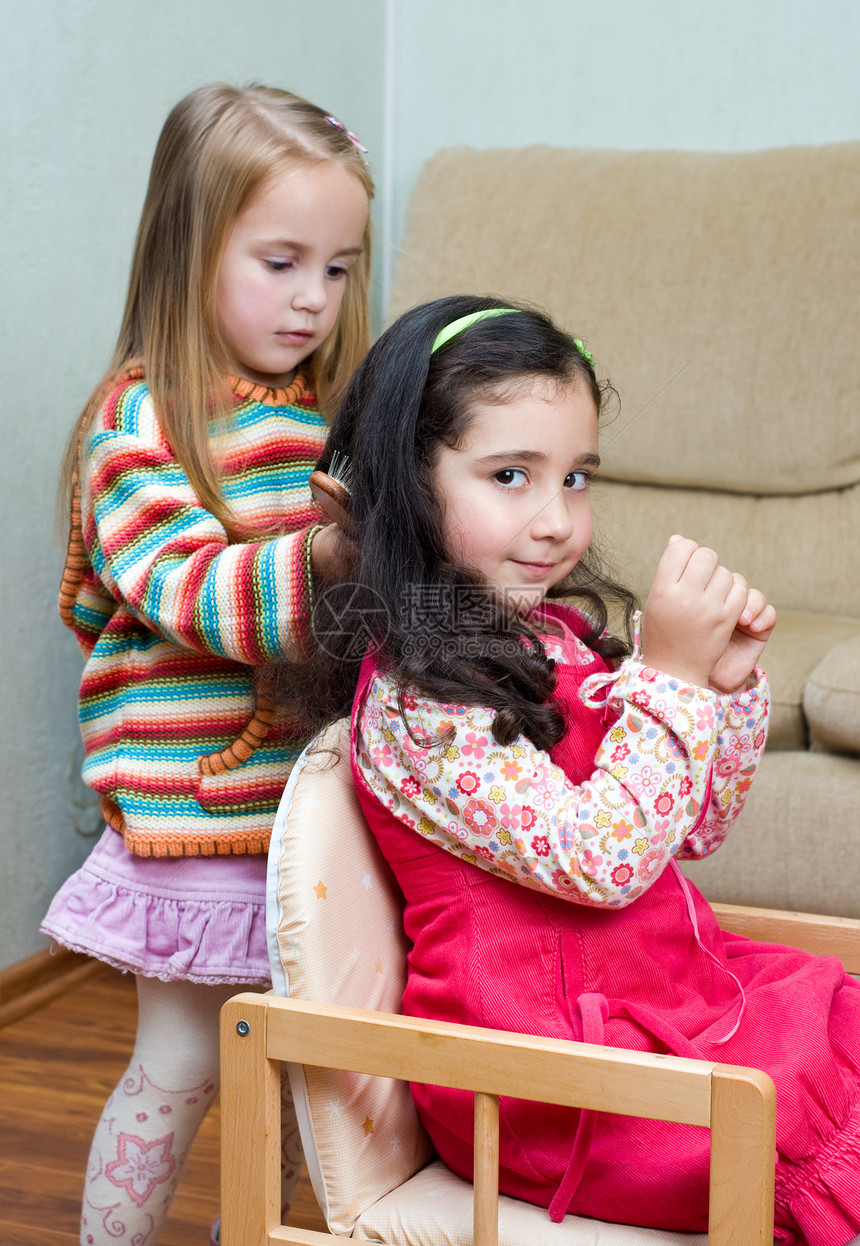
(831, 700)
(799, 646)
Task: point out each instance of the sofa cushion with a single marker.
(802, 645)
(794, 548)
(717, 290)
(831, 699)
(794, 844)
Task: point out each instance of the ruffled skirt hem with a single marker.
(196, 919)
(822, 1195)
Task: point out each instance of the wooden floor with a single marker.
(57, 1067)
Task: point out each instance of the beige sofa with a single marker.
(719, 293)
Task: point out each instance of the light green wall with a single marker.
(706, 74)
(85, 87)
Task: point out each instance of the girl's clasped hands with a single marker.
(702, 623)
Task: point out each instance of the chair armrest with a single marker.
(495, 1062)
(738, 1105)
(822, 936)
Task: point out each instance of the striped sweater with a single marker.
(173, 618)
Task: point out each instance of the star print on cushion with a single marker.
(141, 1166)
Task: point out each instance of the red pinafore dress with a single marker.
(659, 976)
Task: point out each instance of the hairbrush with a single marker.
(331, 490)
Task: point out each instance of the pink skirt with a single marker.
(199, 919)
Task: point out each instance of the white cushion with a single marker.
(435, 1209)
(335, 925)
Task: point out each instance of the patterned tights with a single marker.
(150, 1120)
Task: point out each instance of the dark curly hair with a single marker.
(436, 626)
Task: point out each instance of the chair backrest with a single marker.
(336, 937)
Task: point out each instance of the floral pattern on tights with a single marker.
(511, 811)
(141, 1166)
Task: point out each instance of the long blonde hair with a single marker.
(219, 145)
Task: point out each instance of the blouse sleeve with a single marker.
(740, 744)
(673, 768)
(158, 551)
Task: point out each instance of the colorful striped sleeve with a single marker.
(157, 550)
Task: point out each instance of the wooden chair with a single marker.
(337, 944)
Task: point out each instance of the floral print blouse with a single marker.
(511, 811)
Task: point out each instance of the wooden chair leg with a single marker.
(250, 1126)
(486, 1177)
(743, 1157)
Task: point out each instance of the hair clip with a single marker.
(581, 348)
(353, 138)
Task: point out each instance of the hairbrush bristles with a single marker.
(340, 469)
(330, 490)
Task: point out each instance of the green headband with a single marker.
(457, 326)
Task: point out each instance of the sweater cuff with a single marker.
(304, 591)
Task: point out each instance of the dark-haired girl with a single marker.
(532, 795)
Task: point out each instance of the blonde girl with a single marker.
(194, 550)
